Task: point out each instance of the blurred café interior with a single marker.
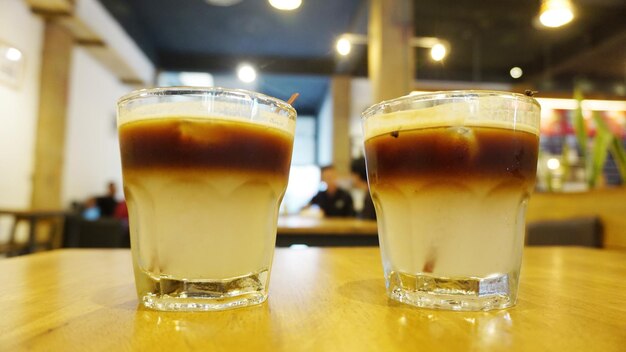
(64, 64)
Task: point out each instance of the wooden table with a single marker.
(321, 299)
(321, 231)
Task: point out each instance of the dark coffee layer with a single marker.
(464, 152)
(175, 143)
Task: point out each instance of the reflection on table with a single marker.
(321, 299)
(322, 231)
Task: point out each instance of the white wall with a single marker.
(361, 99)
(92, 156)
(18, 106)
(325, 131)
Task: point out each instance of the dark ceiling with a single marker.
(487, 38)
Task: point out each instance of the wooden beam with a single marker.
(51, 13)
(51, 6)
(79, 29)
(53, 100)
(132, 82)
(91, 26)
(91, 42)
(341, 87)
(390, 57)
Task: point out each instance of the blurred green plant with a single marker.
(595, 153)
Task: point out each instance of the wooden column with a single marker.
(53, 100)
(341, 92)
(390, 56)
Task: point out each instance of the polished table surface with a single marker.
(323, 231)
(331, 299)
(303, 225)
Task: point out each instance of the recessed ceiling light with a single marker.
(246, 73)
(516, 72)
(196, 79)
(286, 5)
(343, 46)
(13, 54)
(223, 3)
(556, 13)
(438, 52)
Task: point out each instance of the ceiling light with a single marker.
(556, 13)
(553, 163)
(13, 54)
(223, 3)
(516, 72)
(246, 73)
(196, 79)
(343, 46)
(438, 52)
(286, 5)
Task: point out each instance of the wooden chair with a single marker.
(36, 220)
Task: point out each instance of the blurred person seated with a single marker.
(107, 203)
(332, 200)
(90, 210)
(102, 206)
(121, 212)
(359, 181)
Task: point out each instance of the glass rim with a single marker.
(446, 95)
(188, 90)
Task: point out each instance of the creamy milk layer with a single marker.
(219, 110)
(203, 224)
(484, 111)
(451, 228)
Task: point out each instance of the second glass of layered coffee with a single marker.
(450, 175)
(204, 173)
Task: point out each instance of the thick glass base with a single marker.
(452, 293)
(205, 295)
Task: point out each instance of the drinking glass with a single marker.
(450, 174)
(204, 170)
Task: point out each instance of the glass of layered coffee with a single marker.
(450, 175)
(205, 170)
